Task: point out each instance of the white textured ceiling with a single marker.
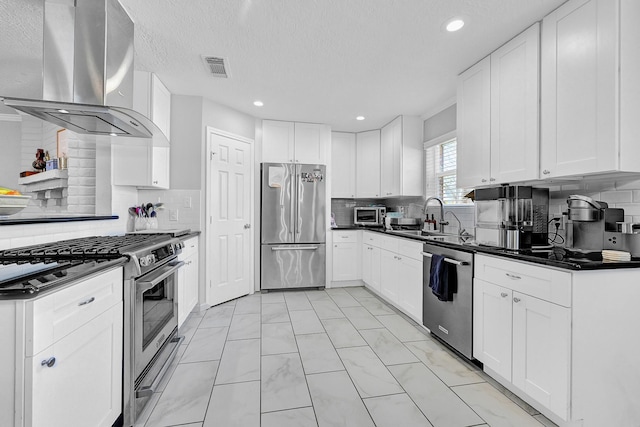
(323, 61)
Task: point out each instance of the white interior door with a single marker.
(229, 255)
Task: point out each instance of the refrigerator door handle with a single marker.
(292, 200)
(298, 195)
(299, 248)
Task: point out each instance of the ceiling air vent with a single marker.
(216, 66)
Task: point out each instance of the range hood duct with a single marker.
(87, 84)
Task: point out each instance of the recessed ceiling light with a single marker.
(454, 24)
(63, 111)
(258, 103)
(360, 118)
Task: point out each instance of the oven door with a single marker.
(155, 313)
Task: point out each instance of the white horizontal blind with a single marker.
(441, 164)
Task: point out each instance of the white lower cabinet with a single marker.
(492, 327)
(541, 351)
(523, 338)
(78, 380)
(188, 279)
(389, 279)
(371, 267)
(61, 359)
(395, 271)
(345, 255)
(410, 286)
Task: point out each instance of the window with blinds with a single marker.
(440, 166)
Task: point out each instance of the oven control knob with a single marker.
(146, 261)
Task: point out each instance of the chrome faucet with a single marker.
(461, 231)
(424, 211)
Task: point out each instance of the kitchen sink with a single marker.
(409, 232)
(422, 233)
(433, 235)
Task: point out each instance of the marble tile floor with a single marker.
(323, 358)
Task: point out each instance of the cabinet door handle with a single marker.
(87, 301)
(344, 237)
(513, 276)
(492, 179)
(516, 300)
(48, 362)
(546, 172)
(484, 180)
(504, 294)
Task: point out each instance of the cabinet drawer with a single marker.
(411, 249)
(389, 243)
(373, 239)
(345, 236)
(54, 316)
(541, 282)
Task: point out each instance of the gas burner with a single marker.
(71, 257)
(82, 249)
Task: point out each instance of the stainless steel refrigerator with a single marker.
(293, 226)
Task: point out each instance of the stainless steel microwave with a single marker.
(369, 215)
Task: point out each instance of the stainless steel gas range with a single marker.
(150, 308)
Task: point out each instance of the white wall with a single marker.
(10, 135)
(187, 136)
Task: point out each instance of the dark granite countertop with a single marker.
(23, 221)
(559, 257)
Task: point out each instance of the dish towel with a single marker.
(442, 278)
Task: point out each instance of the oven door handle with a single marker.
(165, 272)
(449, 260)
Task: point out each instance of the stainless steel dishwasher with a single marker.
(451, 321)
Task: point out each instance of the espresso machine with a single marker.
(593, 225)
(512, 216)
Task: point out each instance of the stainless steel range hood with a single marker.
(87, 81)
(87, 119)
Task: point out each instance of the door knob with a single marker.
(247, 226)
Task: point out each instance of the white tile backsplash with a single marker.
(187, 204)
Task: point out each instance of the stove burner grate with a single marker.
(82, 249)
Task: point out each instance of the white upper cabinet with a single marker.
(277, 142)
(136, 162)
(474, 126)
(310, 142)
(141, 165)
(368, 164)
(401, 157)
(289, 142)
(515, 116)
(343, 165)
(152, 98)
(590, 88)
(498, 115)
